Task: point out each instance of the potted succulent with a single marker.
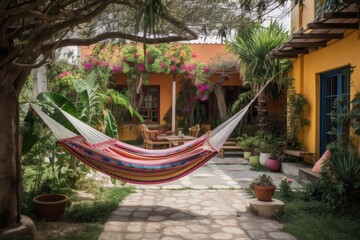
(263, 187)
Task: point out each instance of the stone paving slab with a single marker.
(189, 214)
(210, 203)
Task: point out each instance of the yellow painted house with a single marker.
(322, 49)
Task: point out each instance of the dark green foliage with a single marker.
(339, 185)
(356, 113)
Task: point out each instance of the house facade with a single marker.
(158, 92)
(324, 48)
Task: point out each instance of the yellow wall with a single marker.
(306, 72)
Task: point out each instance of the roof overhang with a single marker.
(319, 33)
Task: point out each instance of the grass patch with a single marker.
(84, 219)
(259, 168)
(308, 220)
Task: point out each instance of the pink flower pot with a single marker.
(273, 165)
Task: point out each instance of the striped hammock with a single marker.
(135, 164)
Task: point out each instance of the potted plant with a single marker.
(50, 206)
(248, 144)
(263, 187)
(273, 163)
(265, 148)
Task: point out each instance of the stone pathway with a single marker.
(210, 203)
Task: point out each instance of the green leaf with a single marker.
(110, 125)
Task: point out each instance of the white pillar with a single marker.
(173, 113)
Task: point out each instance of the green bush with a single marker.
(339, 185)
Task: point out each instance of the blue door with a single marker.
(332, 85)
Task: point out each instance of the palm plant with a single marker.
(252, 46)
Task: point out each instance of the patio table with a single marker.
(176, 139)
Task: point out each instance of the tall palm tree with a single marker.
(252, 46)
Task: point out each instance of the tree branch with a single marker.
(19, 9)
(108, 35)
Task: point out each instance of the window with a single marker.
(150, 106)
(333, 84)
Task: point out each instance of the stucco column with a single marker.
(173, 108)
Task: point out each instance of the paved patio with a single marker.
(210, 203)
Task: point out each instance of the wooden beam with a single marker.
(317, 35)
(279, 56)
(294, 51)
(333, 25)
(341, 15)
(305, 44)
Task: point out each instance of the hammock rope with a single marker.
(135, 164)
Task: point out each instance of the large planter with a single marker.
(50, 206)
(247, 155)
(264, 157)
(264, 193)
(273, 165)
(254, 160)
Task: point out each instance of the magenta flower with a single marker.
(184, 68)
(64, 74)
(175, 60)
(147, 53)
(163, 65)
(191, 76)
(173, 68)
(88, 66)
(186, 109)
(136, 55)
(206, 69)
(191, 67)
(204, 98)
(193, 55)
(290, 181)
(140, 67)
(149, 60)
(124, 59)
(203, 88)
(117, 69)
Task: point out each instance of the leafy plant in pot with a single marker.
(266, 143)
(246, 143)
(263, 187)
(273, 163)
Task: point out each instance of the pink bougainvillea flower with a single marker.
(191, 67)
(124, 59)
(191, 76)
(117, 69)
(290, 181)
(175, 60)
(149, 60)
(186, 109)
(88, 66)
(86, 55)
(163, 65)
(140, 67)
(203, 88)
(136, 55)
(206, 69)
(204, 98)
(64, 74)
(147, 53)
(184, 68)
(173, 68)
(193, 55)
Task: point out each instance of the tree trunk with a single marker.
(9, 158)
(220, 98)
(262, 116)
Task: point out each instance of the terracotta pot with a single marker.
(247, 155)
(273, 165)
(254, 161)
(264, 193)
(50, 206)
